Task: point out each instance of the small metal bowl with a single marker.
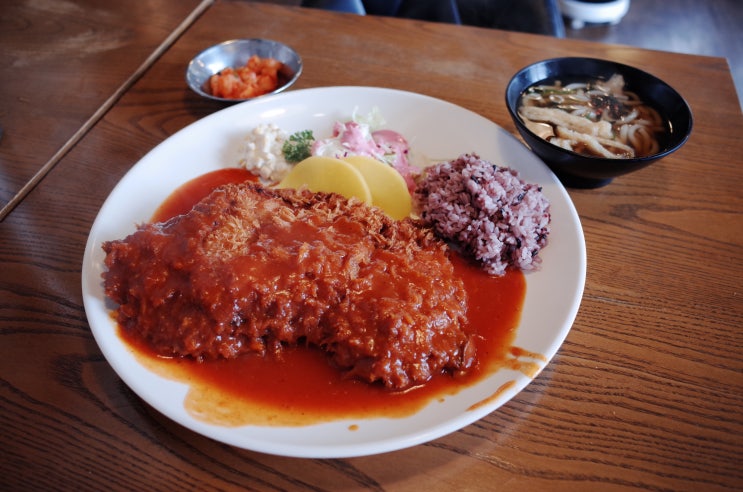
(580, 171)
(236, 53)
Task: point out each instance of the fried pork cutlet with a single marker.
(251, 269)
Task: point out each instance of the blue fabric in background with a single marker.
(534, 16)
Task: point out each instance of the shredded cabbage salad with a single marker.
(271, 152)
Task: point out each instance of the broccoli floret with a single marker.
(297, 147)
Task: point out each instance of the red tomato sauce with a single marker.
(187, 195)
(300, 387)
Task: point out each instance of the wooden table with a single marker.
(64, 65)
(646, 392)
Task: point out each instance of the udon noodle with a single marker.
(599, 118)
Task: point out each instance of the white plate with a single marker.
(433, 127)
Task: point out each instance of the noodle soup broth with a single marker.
(592, 155)
(593, 117)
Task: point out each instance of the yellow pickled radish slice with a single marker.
(388, 188)
(329, 175)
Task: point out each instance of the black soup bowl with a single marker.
(580, 171)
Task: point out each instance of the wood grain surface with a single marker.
(646, 392)
(62, 62)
